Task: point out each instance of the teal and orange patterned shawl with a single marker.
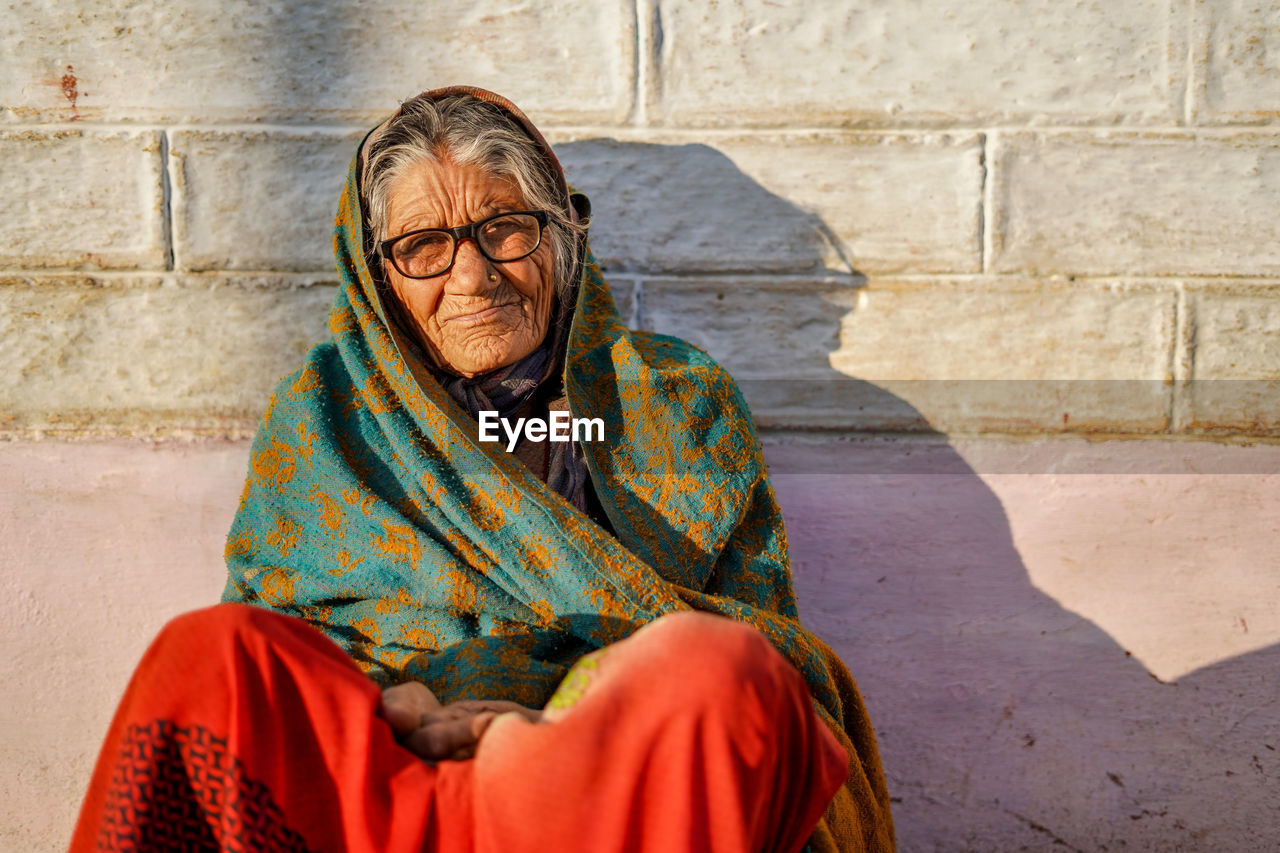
(372, 511)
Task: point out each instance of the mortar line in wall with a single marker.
(776, 432)
(713, 133)
(1181, 369)
(635, 116)
(1188, 92)
(638, 317)
(184, 127)
(654, 89)
(322, 277)
(769, 434)
(1171, 415)
(289, 278)
(166, 203)
(838, 277)
(699, 133)
(985, 220)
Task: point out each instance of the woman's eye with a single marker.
(419, 243)
(501, 227)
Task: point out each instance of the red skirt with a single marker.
(244, 729)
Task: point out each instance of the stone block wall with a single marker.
(1019, 191)
(1016, 238)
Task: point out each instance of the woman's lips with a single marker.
(484, 315)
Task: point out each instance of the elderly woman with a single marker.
(520, 579)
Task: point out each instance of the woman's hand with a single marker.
(437, 732)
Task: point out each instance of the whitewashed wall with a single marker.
(1001, 281)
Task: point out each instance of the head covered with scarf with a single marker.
(373, 511)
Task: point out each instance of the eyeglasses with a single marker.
(431, 251)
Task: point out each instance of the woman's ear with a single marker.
(579, 208)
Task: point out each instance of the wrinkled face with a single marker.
(479, 315)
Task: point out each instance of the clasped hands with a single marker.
(438, 732)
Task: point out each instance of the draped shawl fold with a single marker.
(372, 511)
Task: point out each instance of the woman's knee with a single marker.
(714, 655)
(707, 635)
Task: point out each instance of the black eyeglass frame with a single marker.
(462, 232)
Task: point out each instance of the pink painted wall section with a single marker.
(1055, 660)
(1063, 645)
(100, 544)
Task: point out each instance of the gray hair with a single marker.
(469, 132)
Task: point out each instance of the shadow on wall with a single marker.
(741, 272)
(1005, 720)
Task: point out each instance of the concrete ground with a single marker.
(1063, 645)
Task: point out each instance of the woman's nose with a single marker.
(471, 270)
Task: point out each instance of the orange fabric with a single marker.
(247, 729)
